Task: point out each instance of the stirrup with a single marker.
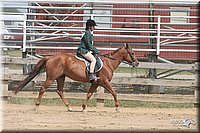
(92, 76)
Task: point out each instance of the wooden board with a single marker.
(120, 80)
(141, 65)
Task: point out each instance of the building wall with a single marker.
(170, 55)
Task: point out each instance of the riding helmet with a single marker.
(90, 22)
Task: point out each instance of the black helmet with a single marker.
(90, 22)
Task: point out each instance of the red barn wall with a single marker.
(169, 55)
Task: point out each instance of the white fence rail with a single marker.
(36, 31)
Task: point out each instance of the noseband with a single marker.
(130, 55)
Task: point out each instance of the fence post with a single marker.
(152, 55)
(4, 87)
(158, 37)
(24, 53)
(196, 92)
(24, 33)
(4, 84)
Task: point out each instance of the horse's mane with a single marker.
(112, 53)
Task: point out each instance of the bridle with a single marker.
(123, 61)
(130, 54)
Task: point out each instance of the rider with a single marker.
(86, 47)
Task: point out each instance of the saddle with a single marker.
(98, 66)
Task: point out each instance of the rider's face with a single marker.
(91, 28)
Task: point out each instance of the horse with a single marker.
(63, 65)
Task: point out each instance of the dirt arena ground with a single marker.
(22, 117)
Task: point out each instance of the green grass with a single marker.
(148, 104)
(49, 101)
(107, 103)
(130, 70)
(143, 70)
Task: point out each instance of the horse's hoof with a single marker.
(70, 109)
(84, 111)
(117, 109)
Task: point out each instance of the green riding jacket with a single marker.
(86, 44)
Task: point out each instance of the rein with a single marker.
(121, 61)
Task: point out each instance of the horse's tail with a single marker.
(38, 67)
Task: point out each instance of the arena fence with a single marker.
(119, 79)
(149, 27)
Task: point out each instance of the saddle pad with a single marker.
(98, 66)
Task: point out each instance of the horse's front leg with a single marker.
(107, 85)
(93, 87)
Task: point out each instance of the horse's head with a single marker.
(130, 56)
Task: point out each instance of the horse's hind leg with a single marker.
(44, 87)
(89, 94)
(60, 85)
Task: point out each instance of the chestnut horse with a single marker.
(61, 65)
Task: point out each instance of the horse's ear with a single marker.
(126, 45)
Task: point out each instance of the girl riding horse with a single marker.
(86, 48)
